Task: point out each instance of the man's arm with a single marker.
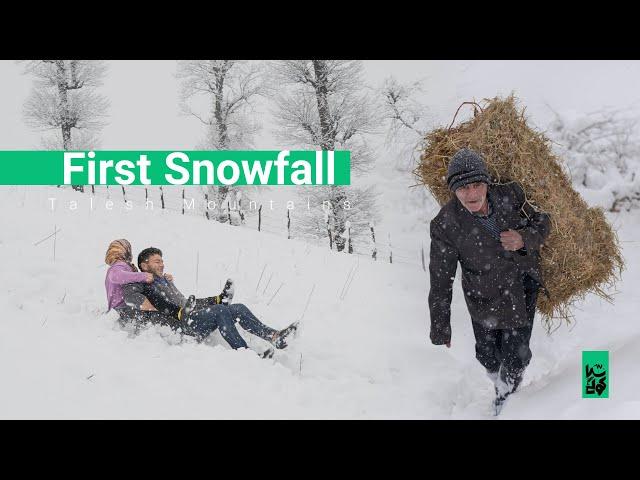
(538, 225)
(443, 263)
(165, 297)
(133, 294)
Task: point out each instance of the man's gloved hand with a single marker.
(227, 294)
(228, 291)
(184, 312)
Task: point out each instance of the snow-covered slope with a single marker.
(362, 352)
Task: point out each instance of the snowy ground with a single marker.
(363, 349)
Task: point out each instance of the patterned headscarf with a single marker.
(119, 250)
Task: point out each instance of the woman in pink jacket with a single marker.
(121, 271)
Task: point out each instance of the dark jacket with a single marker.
(491, 275)
(163, 295)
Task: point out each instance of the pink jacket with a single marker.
(118, 274)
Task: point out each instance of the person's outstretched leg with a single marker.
(249, 322)
(487, 352)
(217, 316)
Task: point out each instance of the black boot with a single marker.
(281, 338)
(505, 385)
(517, 379)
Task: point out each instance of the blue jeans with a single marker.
(204, 321)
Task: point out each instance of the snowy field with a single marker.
(362, 351)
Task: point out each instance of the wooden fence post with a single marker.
(374, 254)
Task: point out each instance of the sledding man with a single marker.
(496, 236)
(198, 317)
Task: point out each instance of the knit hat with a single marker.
(118, 250)
(466, 167)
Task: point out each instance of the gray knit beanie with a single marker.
(466, 167)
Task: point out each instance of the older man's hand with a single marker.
(511, 240)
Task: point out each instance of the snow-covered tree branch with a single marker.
(602, 153)
(220, 94)
(405, 116)
(64, 98)
(324, 104)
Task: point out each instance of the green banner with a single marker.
(595, 374)
(203, 167)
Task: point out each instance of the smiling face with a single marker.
(154, 264)
(473, 196)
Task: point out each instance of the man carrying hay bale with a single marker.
(496, 236)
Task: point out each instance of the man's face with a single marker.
(472, 196)
(154, 264)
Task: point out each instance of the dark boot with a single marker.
(505, 385)
(280, 340)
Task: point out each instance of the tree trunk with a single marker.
(322, 97)
(64, 105)
(337, 197)
(64, 111)
(219, 115)
(328, 140)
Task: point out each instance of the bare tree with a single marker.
(324, 104)
(332, 208)
(64, 98)
(219, 93)
(406, 117)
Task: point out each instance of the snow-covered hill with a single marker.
(362, 352)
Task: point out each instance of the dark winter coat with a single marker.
(491, 276)
(162, 294)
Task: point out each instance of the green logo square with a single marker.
(595, 374)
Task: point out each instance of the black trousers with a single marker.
(508, 348)
(141, 318)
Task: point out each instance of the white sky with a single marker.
(144, 111)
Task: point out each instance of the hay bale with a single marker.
(582, 253)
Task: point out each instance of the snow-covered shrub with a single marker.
(602, 154)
